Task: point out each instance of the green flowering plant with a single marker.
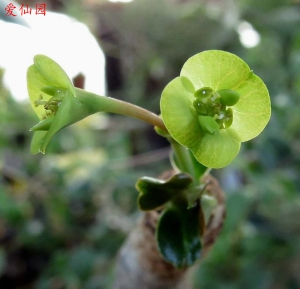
(216, 103)
(52, 97)
(58, 103)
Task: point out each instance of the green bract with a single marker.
(215, 104)
(52, 96)
(59, 104)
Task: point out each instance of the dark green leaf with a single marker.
(155, 193)
(178, 234)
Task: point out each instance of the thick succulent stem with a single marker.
(139, 264)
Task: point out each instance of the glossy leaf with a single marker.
(178, 234)
(154, 193)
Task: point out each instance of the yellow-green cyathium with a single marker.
(54, 99)
(58, 103)
(216, 103)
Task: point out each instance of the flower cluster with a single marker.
(216, 103)
(54, 99)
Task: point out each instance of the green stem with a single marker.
(94, 103)
(183, 158)
(108, 104)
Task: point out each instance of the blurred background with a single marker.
(64, 215)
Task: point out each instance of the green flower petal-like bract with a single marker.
(59, 104)
(52, 96)
(217, 70)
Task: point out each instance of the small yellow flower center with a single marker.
(212, 108)
(51, 106)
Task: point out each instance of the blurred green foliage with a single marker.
(63, 216)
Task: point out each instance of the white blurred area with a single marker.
(62, 38)
(249, 37)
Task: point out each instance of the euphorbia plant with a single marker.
(216, 103)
